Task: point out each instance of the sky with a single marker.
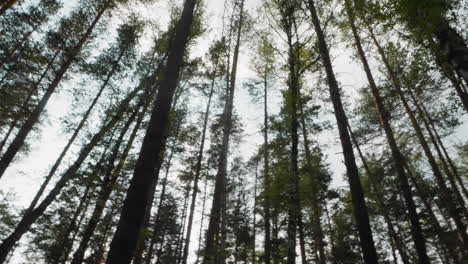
(24, 177)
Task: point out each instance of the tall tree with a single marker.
(125, 238)
(70, 54)
(214, 253)
(359, 204)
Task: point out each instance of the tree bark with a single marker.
(155, 234)
(200, 235)
(359, 204)
(18, 141)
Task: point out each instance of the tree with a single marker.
(359, 204)
(131, 220)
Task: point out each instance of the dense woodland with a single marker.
(235, 131)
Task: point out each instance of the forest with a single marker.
(233, 131)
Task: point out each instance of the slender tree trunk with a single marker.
(66, 243)
(318, 231)
(330, 233)
(131, 220)
(442, 159)
(198, 169)
(444, 150)
(6, 5)
(180, 238)
(445, 193)
(382, 206)
(200, 235)
(432, 216)
(398, 158)
(18, 141)
(99, 255)
(266, 171)
(359, 204)
(17, 46)
(75, 231)
(155, 234)
(254, 213)
(31, 216)
(74, 135)
(454, 48)
(108, 183)
(220, 182)
(24, 106)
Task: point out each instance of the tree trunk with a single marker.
(180, 238)
(67, 242)
(398, 159)
(18, 141)
(220, 182)
(200, 235)
(444, 150)
(74, 136)
(155, 234)
(108, 183)
(31, 216)
(254, 213)
(450, 170)
(18, 46)
(380, 201)
(444, 190)
(357, 193)
(423, 115)
(24, 106)
(198, 169)
(266, 171)
(318, 231)
(432, 216)
(131, 219)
